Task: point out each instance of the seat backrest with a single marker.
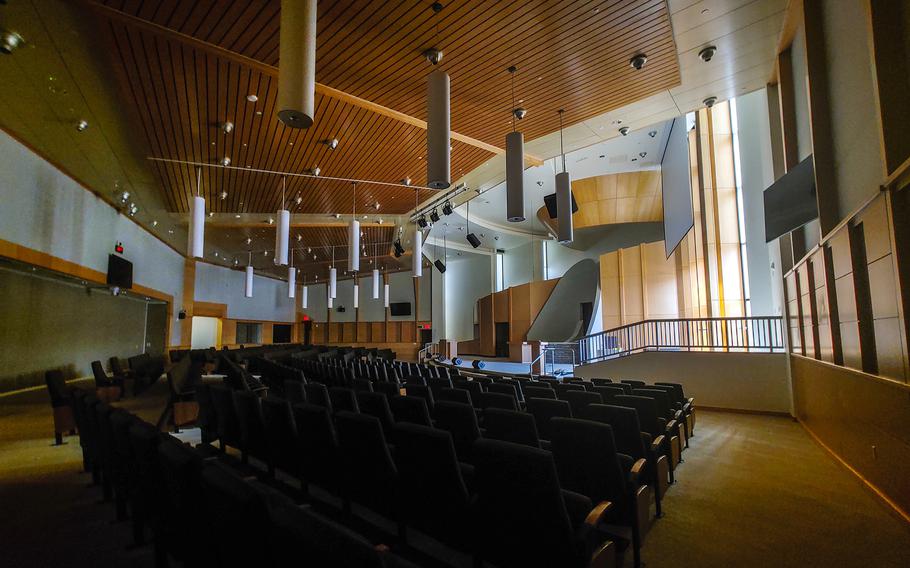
(539, 392)
(370, 472)
(438, 384)
(504, 388)
(602, 382)
(376, 404)
(421, 391)
(293, 391)
(252, 428)
(208, 417)
(414, 380)
(226, 413)
(317, 444)
(101, 379)
(434, 493)
(180, 468)
(543, 409)
(318, 394)
(664, 406)
(460, 421)
(678, 388)
(343, 399)
(608, 393)
(510, 426)
(454, 395)
(586, 458)
(633, 382)
(565, 387)
(411, 409)
(520, 513)
(387, 388)
(237, 517)
(280, 431)
(624, 422)
(497, 400)
(56, 388)
(360, 385)
(646, 408)
(116, 366)
(579, 399)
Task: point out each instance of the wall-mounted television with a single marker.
(790, 201)
(119, 272)
(400, 308)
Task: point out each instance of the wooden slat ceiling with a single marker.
(570, 54)
(306, 241)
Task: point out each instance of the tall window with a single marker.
(500, 271)
(743, 259)
(249, 333)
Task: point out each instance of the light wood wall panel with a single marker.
(627, 197)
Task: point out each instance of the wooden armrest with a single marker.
(672, 426)
(657, 443)
(637, 468)
(597, 513)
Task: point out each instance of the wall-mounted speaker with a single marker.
(440, 265)
(472, 238)
(181, 315)
(478, 364)
(550, 202)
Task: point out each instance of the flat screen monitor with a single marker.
(790, 202)
(676, 186)
(400, 308)
(119, 272)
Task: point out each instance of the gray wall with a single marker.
(467, 280)
(55, 325)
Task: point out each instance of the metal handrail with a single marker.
(543, 351)
(425, 350)
(737, 334)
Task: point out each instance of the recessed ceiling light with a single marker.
(265, 253)
(299, 238)
(226, 161)
(211, 213)
(652, 134)
(258, 113)
(406, 181)
(154, 223)
(249, 240)
(271, 221)
(81, 125)
(290, 143)
(338, 215)
(223, 195)
(299, 200)
(227, 127)
(170, 231)
(9, 41)
(252, 98)
(237, 216)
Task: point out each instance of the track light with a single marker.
(638, 61)
(226, 161)
(406, 181)
(332, 143)
(81, 125)
(472, 238)
(9, 41)
(440, 266)
(624, 130)
(227, 127)
(434, 216)
(422, 222)
(447, 208)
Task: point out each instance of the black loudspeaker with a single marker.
(447, 208)
(478, 364)
(181, 315)
(550, 202)
(472, 238)
(439, 265)
(456, 361)
(434, 216)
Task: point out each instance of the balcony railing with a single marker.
(747, 334)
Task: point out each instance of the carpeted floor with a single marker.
(753, 491)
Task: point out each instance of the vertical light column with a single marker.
(354, 245)
(283, 235)
(565, 229)
(515, 169)
(376, 284)
(333, 283)
(417, 256)
(292, 282)
(297, 63)
(197, 228)
(438, 131)
(248, 289)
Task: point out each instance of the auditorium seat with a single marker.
(343, 399)
(208, 417)
(437, 384)
(497, 399)
(454, 395)
(390, 389)
(108, 388)
(676, 430)
(228, 423)
(434, 494)
(377, 404)
(411, 409)
(633, 382)
(580, 399)
(544, 409)
(652, 423)
(360, 385)
(122, 459)
(608, 393)
(318, 394)
(511, 426)
(61, 404)
(566, 387)
(460, 421)
(236, 519)
(631, 441)
(421, 391)
(539, 392)
(503, 388)
(280, 435)
(293, 391)
(473, 387)
(588, 463)
(148, 490)
(371, 477)
(252, 428)
(523, 518)
(317, 444)
(602, 382)
(181, 521)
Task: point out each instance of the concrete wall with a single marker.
(43, 209)
(467, 280)
(738, 381)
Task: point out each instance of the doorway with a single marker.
(307, 332)
(587, 312)
(502, 340)
(206, 333)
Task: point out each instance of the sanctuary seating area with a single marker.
(348, 457)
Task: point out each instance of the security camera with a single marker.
(519, 113)
(709, 102)
(624, 130)
(433, 55)
(638, 61)
(707, 53)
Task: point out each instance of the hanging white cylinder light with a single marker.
(356, 296)
(297, 63)
(515, 192)
(376, 284)
(354, 246)
(564, 229)
(284, 232)
(197, 228)
(304, 297)
(248, 289)
(417, 255)
(333, 283)
(330, 302)
(386, 293)
(438, 131)
(292, 282)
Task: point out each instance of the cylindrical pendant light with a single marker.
(297, 63)
(292, 282)
(515, 166)
(248, 289)
(304, 296)
(354, 237)
(417, 255)
(197, 221)
(333, 283)
(565, 230)
(330, 302)
(438, 131)
(356, 296)
(376, 284)
(284, 231)
(386, 292)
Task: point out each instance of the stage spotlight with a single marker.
(399, 250)
(447, 208)
(440, 265)
(434, 216)
(478, 364)
(422, 222)
(472, 238)
(456, 361)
